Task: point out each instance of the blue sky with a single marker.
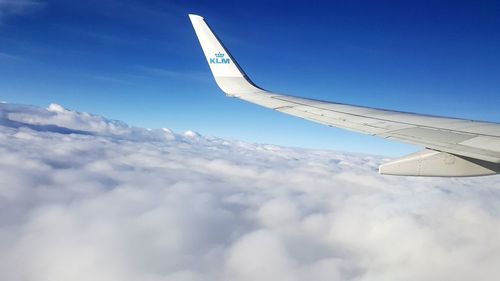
(140, 62)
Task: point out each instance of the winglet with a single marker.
(226, 71)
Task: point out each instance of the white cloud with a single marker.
(86, 198)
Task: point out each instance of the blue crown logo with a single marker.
(219, 59)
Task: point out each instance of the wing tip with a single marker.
(195, 16)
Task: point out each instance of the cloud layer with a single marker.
(86, 198)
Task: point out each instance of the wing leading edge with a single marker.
(453, 147)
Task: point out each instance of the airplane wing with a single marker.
(453, 147)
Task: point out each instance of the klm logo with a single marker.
(219, 59)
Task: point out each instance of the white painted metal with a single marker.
(438, 164)
(476, 143)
